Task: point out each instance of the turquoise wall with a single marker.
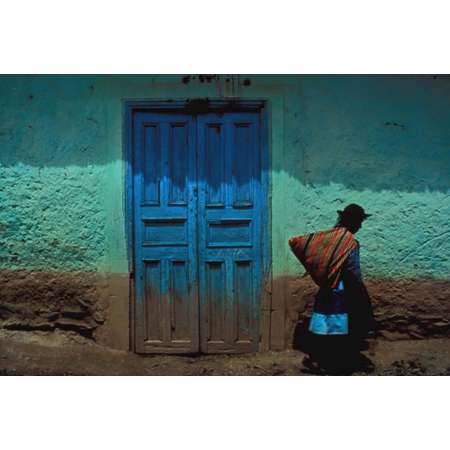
(383, 142)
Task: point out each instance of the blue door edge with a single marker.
(193, 106)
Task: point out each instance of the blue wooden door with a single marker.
(165, 234)
(197, 232)
(230, 232)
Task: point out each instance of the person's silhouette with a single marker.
(342, 315)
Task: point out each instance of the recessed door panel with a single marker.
(214, 165)
(151, 163)
(152, 301)
(215, 301)
(243, 304)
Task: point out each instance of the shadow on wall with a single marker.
(364, 132)
(369, 132)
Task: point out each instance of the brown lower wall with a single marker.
(96, 306)
(404, 309)
(93, 305)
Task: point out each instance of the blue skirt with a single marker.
(330, 314)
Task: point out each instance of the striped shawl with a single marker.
(324, 253)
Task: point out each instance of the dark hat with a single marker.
(354, 211)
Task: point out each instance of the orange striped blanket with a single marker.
(323, 253)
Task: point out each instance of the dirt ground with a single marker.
(24, 355)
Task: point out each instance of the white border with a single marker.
(174, 36)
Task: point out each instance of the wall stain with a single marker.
(202, 78)
(208, 78)
(394, 125)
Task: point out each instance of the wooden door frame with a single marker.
(198, 106)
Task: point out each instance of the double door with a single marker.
(197, 205)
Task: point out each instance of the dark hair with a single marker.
(348, 221)
(351, 217)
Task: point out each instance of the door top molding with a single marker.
(200, 105)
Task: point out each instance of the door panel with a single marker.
(215, 301)
(152, 301)
(166, 308)
(229, 219)
(214, 165)
(243, 298)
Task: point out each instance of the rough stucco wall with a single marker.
(52, 176)
(52, 218)
(379, 141)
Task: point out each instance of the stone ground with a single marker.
(24, 354)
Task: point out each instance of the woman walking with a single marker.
(342, 315)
